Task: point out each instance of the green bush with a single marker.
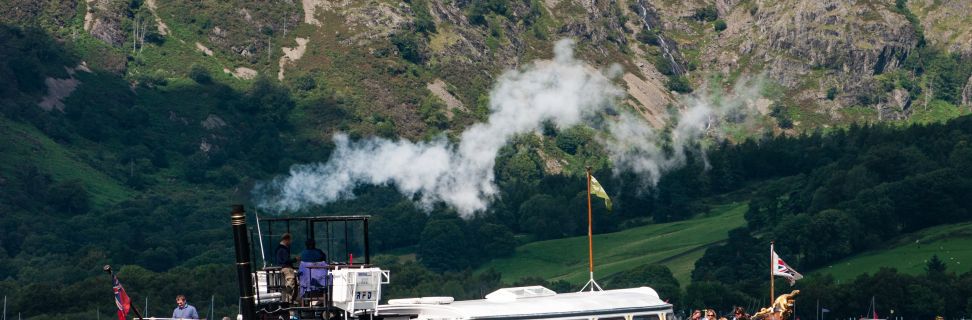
(719, 25)
(832, 93)
(409, 47)
(305, 82)
(423, 19)
(664, 65)
(571, 139)
(707, 13)
(199, 74)
(648, 36)
(481, 9)
(679, 84)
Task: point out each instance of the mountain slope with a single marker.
(910, 253)
(676, 245)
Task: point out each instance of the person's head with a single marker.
(696, 314)
(181, 300)
(285, 239)
(309, 244)
(739, 312)
(709, 313)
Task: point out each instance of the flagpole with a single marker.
(590, 239)
(772, 265)
(111, 274)
(590, 228)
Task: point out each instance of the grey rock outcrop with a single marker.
(105, 19)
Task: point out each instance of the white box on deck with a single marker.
(358, 289)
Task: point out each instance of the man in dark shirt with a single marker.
(311, 253)
(282, 257)
(285, 261)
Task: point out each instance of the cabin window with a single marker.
(646, 317)
(612, 318)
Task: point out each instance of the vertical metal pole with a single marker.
(263, 252)
(212, 306)
(347, 248)
(367, 251)
(4, 307)
(327, 231)
(772, 267)
(146, 305)
(590, 228)
(242, 241)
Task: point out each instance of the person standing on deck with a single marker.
(285, 261)
(183, 310)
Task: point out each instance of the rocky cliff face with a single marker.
(103, 20)
(825, 55)
(810, 47)
(947, 23)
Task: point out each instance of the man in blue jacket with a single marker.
(184, 310)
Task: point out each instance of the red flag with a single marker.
(121, 298)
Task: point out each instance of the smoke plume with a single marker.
(635, 147)
(563, 91)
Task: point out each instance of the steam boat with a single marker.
(348, 287)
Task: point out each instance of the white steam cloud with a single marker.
(564, 91)
(635, 147)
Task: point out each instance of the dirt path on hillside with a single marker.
(163, 28)
(88, 14)
(438, 89)
(292, 55)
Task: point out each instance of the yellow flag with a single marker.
(598, 190)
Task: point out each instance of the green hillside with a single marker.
(24, 145)
(910, 254)
(676, 245)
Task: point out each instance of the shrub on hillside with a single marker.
(679, 84)
(199, 74)
(719, 25)
(707, 13)
(664, 65)
(648, 36)
(409, 47)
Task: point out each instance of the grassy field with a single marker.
(952, 243)
(677, 245)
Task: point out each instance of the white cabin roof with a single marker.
(533, 303)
